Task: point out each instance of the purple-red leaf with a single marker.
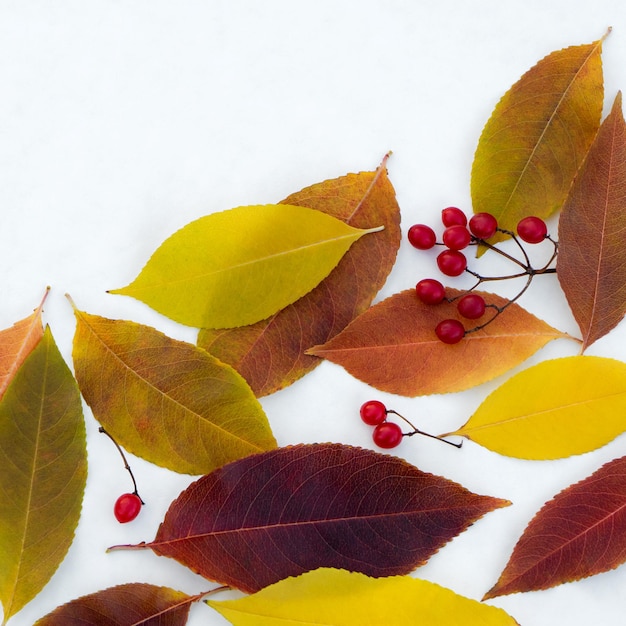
(281, 513)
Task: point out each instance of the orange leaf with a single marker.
(393, 346)
(270, 354)
(591, 265)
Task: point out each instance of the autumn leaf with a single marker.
(591, 265)
(240, 266)
(579, 533)
(538, 136)
(164, 400)
(281, 513)
(340, 598)
(130, 604)
(271, 354)
(393, 346)
(553, 410)
(43, 470)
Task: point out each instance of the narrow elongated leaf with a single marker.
(553, 410)
(284, 512)
(240, 266)
(393, 346)
(43, 469)
(271, 354)
(166, 400)
(538, 136)
(132, 604)
(579, 533)
(591, 265)
(339, 598)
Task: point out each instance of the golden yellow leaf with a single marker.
(335, 597)
(553, 410)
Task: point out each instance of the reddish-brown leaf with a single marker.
(270, 354)
(281, 513)
(132, 604)
(579, 533)
(393, 345)
(591, 265)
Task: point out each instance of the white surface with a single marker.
(122, 121)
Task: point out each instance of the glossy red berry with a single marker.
(451, 262)
(453, 216)
(450, 331)
(422, 236)
(456, 237)
(483, 225)
(127, 507)
(471, 306)
(387, 435)
(532, 229)
(373, 412)
(430, 291)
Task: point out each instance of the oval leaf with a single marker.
(271, 354)
(553, 410)
(43, 470)
(538, 136)
(166, 400)
(591, 265)
(339, 598)
(579, 533)
(284, 512)
(393, 346)
(240, 266)
(131, 604)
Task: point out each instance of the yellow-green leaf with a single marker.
(166, 401)
(43, 469)
(240, 266)
(339, 598)
(555, 409)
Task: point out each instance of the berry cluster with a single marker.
(389, 434)
(458, 234)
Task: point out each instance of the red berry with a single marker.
(452, 216)
(532, 229)
(422, 236)
(471, 306)
(450, 331)
(451, 262)
(373, 412)
(430, 291)
(127, 507)
(387, 435)
(483, 225)
(456, 237)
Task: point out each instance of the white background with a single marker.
(122, 121)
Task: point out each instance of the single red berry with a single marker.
(422, 236)
(453, 216)
(127, 507)
(430, 291)
(373, 412)
(471, 306)
(456, 237)
(532, 229)
(451, 262)
(387, 435)
(450, 331)
(483, 225)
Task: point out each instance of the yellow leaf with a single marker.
(553, 410)
(339, 598)
(240, 266)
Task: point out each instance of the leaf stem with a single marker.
(417, 431)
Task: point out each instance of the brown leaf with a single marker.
(591, 265)
(579, 533)
(393, 345)
(270, 354)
